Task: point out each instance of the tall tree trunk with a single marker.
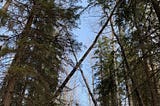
(118, 100)
(9, 92)
(7, 97)
(148, 71)
(129, 92)
(151, 81)
(128, 70)
(156, 81)
(117, 91)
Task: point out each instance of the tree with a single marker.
(107, 72)
(136, 29)
(38, 42)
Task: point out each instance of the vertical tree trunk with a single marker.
(128, 70)
(7, 97)
(117, 91)
(151, 82)
(129, 92)
(118, 100)
(9, 92)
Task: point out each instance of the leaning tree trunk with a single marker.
(6, 6)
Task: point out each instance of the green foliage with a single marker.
(106, 70)
(43, 39)
(135, 25)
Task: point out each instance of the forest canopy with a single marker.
(38, 45)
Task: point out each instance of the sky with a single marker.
(88, 28)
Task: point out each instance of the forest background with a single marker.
(72, 52)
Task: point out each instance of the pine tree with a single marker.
(136, 29)
(38, 40)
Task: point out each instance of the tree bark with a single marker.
(150, 83)
(118, 100)
(139, 97)
(7, 97)
(9, 93)
(6, 5)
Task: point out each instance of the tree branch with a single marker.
(84, 79)
(127, 64)
(59, 90)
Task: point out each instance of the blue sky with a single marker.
(88, 26)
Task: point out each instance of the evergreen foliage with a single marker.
(36, 44)
(135, 26)
(40, 34)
